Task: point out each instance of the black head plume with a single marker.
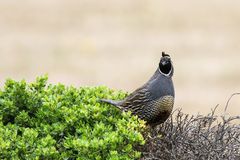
(165, 55)
(165, 64)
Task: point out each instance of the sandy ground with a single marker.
(119, 43)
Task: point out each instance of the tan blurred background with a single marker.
(119, 43)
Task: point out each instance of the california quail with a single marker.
(153, 102)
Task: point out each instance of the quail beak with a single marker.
(166, 62)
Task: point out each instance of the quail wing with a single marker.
(137, 100)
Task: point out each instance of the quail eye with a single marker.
(165, 67)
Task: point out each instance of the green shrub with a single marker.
(45, 121)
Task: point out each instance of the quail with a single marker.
(153, 102)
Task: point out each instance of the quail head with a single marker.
(153, 102)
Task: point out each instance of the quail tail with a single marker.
(112, 102)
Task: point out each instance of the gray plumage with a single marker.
(153, 102)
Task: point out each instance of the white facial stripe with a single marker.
(167, 75)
